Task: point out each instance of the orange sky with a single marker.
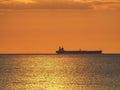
(37, 30)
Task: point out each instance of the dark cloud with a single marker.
(68, 5)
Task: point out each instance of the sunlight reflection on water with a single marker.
(59, 72)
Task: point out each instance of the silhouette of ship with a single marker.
(62, 51)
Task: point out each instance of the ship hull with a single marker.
(79, 52)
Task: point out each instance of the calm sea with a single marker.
(59, 72)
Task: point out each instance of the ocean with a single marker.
(60, 72)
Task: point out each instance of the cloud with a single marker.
(47, 5)
(106, 4)
(65, 5)
(58, 4)
(16, 1)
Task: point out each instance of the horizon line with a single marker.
(51, 54)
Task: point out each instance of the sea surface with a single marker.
(60, 72)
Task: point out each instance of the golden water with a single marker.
(59, 72)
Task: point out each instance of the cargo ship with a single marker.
(62, 51)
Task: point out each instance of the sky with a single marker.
(41, 26)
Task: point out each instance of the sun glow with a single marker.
(77, 1)
(17, 1)
(25, 1)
